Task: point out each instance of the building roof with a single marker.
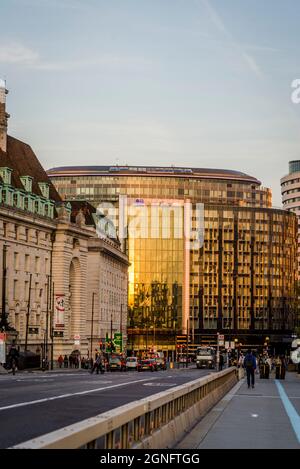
(205, 173)
(22, 160)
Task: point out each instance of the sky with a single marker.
(200, 83)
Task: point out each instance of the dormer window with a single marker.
(16, 199)
(27, 183)
(44, 188)
(36, 206)
(5, 173)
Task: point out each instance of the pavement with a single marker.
(266, 417)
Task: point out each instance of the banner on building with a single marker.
(59, 313)
(2, 347)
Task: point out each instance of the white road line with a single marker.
(63, 396)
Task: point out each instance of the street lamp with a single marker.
(92, 325)
(4, 326)
(237, 349)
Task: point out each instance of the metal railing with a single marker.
(127, 426)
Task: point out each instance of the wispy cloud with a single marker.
(248, 59)
(66, 4)
(18, 54)
(109, 61)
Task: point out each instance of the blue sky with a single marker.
(202, 83)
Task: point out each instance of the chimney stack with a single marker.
(3, 116)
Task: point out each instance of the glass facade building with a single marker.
(207, 252)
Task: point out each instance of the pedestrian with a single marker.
(221, 362)
(66, 361)
(60, 361)
(283, 367)
(241, 360)
(97, 365)
(250, 367)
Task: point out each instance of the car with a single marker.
(148, 364)
(116, 363)
(161, 363)
(131, 363)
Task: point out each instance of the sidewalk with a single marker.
(267, 417)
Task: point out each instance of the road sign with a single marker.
(118, 342)
(221, 339)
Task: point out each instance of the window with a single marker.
(27, 262)
(16, 261)
(37, 264)
(16, 290)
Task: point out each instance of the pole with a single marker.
(28, 312)
(47, 319)
(187, 342)
(121, 318)
(92, 325)
(218, 353)
(51, 324)
(4, 323)
(111, 333)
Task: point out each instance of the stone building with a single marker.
(46, 246)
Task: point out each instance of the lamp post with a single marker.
(92, 325)
(4, 323)
(28, 312)
(111, 333)
(237, 350)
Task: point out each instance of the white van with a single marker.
(131, 363)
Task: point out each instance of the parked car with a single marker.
(116, 363)
(148, 364)
(131, 363)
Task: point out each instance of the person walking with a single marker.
(66, 361)
(60, 361)
(250, 367)
(221, 362)
(241, 360)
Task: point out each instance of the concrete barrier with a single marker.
(158, 421)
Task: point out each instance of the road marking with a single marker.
(160, 384)
(254, 415)
(290, 409)
(264, 397)
(63, 396)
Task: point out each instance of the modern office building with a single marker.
(290, 191)
(207, 252)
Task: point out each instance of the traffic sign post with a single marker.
(221, 340)
(218, 352)
(118, 342)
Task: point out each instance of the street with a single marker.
(32, 404)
